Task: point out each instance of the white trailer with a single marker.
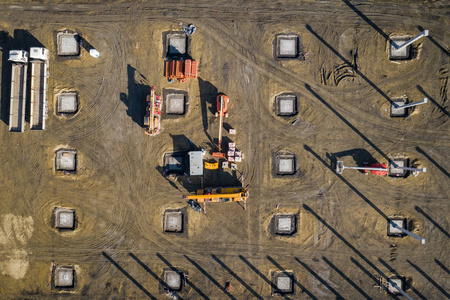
(19, 59)
(39, 58)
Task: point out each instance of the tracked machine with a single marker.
(152, 119)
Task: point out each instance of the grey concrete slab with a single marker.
(402, 53)
(67, 102)
(67, 44)
(398, 112)
(64, 218)
(287, 46)
(398, 282)
(173, 221)
(395, 171)
(66, 160)
(286, 165)
(173, 279)
(175, 104)
(177, 44)
(64, 277)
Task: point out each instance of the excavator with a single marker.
(152, 119)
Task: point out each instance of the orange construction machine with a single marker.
(222, 108)
(152, 119)
(179, 69)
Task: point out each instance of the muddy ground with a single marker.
(340, 249)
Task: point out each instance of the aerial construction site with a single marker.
(224, 149)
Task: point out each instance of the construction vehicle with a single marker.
(19, 59)
(152, 119)
(222, 108)
(39, 58)
(211, 166)
(376, 168)
(180, 69)
(230, 194)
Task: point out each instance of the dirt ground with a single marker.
(340, 248)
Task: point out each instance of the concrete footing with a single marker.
(287, 46)
(64, 218)
(283, 283)
(399, 281)
(398, 112)
(392, 231)
(402, 53)
(175, 163)
(173, 280)
(175, 104)
(177, 44)
(173, 221)
(66, 160)
(393, 171)
(285, 224)
(285, 164)
(67, 44)
(286, 105)
(67, 103)
(64, 277)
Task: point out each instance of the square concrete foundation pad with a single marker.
(283, 282)
(173, 221)
(175, 104)
(64, 277)
(402, 53)
(66, 160)
(398, 282)
(173, 280)
(177, 44)
(286, 105)
(67, 102)
(175, 163)
(285, 224)
(287, 46)
(286, 165)
(64, 218)
(68, 44)
(398, 112)
(393, 171)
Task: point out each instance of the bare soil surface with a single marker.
(119, 193)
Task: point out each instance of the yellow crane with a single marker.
(227, 195)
